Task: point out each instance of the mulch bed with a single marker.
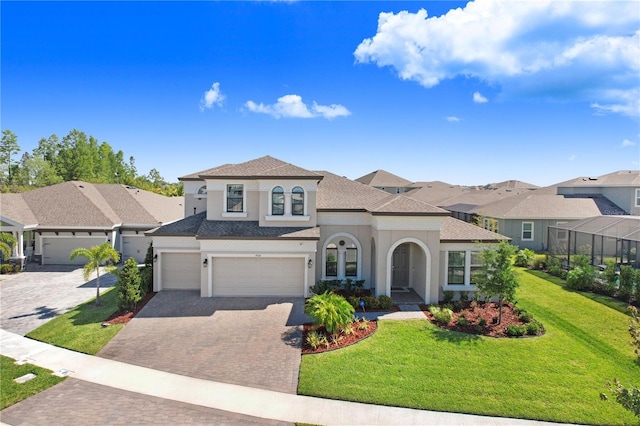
(486, 310)
(124, 317)
(343, 340)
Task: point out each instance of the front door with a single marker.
(400, 276)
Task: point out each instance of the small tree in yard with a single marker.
(330, 309)
(146, 274)
(497, 276)
(97, 256)
(7, 242)
(129, 285)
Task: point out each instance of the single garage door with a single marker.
(135, 246)
(181, 271)
(258, 276)
(56, 251)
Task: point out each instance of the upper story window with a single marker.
(235, 198)
(527, 231)
(637, 197)
(277, 201)
(297, 201)
(456, 267)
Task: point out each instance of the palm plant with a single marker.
(7, 242)
(97, 256)
(330, 309)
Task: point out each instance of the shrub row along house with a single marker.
(267, 227)
(48, 223)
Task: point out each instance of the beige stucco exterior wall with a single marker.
(361, 233)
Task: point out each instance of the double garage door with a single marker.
(236, 276)
(56, 251)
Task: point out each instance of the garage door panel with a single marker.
(56, 251)
(135, 247)
(261, 276)
(181, 271)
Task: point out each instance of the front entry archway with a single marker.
(409, 265)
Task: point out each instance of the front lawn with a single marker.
(13, 392)
(556, 377)
(81, 328)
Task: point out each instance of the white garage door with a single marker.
(258, 276)
(56, 251)
(180, 271)
(135, 246)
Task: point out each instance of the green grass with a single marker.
(13, 392)
(80, 329)
(556, 377)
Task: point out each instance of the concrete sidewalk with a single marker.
(232, 398)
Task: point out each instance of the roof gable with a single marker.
(382, 178)
(261, 168)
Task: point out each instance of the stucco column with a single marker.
(342, 253)
(287, 204)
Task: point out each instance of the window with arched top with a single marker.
(297, 201)
(331, 264)
(277, 201)
(202, 191)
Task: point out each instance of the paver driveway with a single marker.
(245, 341)
(41, 293)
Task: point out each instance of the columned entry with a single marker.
(409, 267)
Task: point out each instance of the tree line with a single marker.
(74, 157)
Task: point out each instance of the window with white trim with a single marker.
(277, 201)
(561, 234)
(235, 198)
(475, 265)
(455, 275)
(527, 231)
(351, 262)
(490, 224)
(331, 264)
(297, 201)
(637, 197)
(202, 192)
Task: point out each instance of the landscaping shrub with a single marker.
(482, 322)
(315, 339)
(628, 282)
(146, 280)
(464, 296)
(524, 258)
(462, 321)
(128, 285)
(6, 268)
(370, 302)
(363, 324)
(16, 268)
(514, 330)
(534, 328)
(539, 262)
(447, 296)
(582, 278)
(330, 309)
(441, 315)
(634, 330)
(385, 302)
(354, 301)
(525, 316)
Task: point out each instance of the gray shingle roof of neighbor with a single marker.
(82, 204)
(339, 193)
(618, 178)
(620, 227)
(198, 226)
(546, 203)
(14, 207)
(454, 230)
(382, 178)
(260, 168)
(462, 198)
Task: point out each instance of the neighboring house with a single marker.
(267, 227)
(50, 222)
(386, 181)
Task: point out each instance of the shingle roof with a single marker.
(260, 168)
(454, 230)
(619, 178)
(197, 226)
(382, 178)
(339, 193)
(82, 204)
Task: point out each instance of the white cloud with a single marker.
(452, 119)
(627, 142)
(212, 97)
(292, 106)
(479, 99)
(560, 50)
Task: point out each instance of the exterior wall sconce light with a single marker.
(310, 263)
(205, 263)
(155, 257)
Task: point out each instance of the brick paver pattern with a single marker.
(244, 341)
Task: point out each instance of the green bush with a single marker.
(539, 262)
(580, 261)
(482, 322)
(354, 301)
(128, 285)
(385, 302)
(582, 278)
(370, 302)
(524, 258)
(525, 316)
(514, 330)
(6, 268)
(447, 296)
(146, 280)
(441, 315)
(534, 328)
(16, 268)
(462, 321)
(330, 309)
(628, 282)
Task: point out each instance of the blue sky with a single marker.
(467, 93)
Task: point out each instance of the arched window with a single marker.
(277, 201)
(202, 191)
(331, 269)
(297, 201)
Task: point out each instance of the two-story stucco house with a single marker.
(267, 227)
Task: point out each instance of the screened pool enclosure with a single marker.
(601, 238)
